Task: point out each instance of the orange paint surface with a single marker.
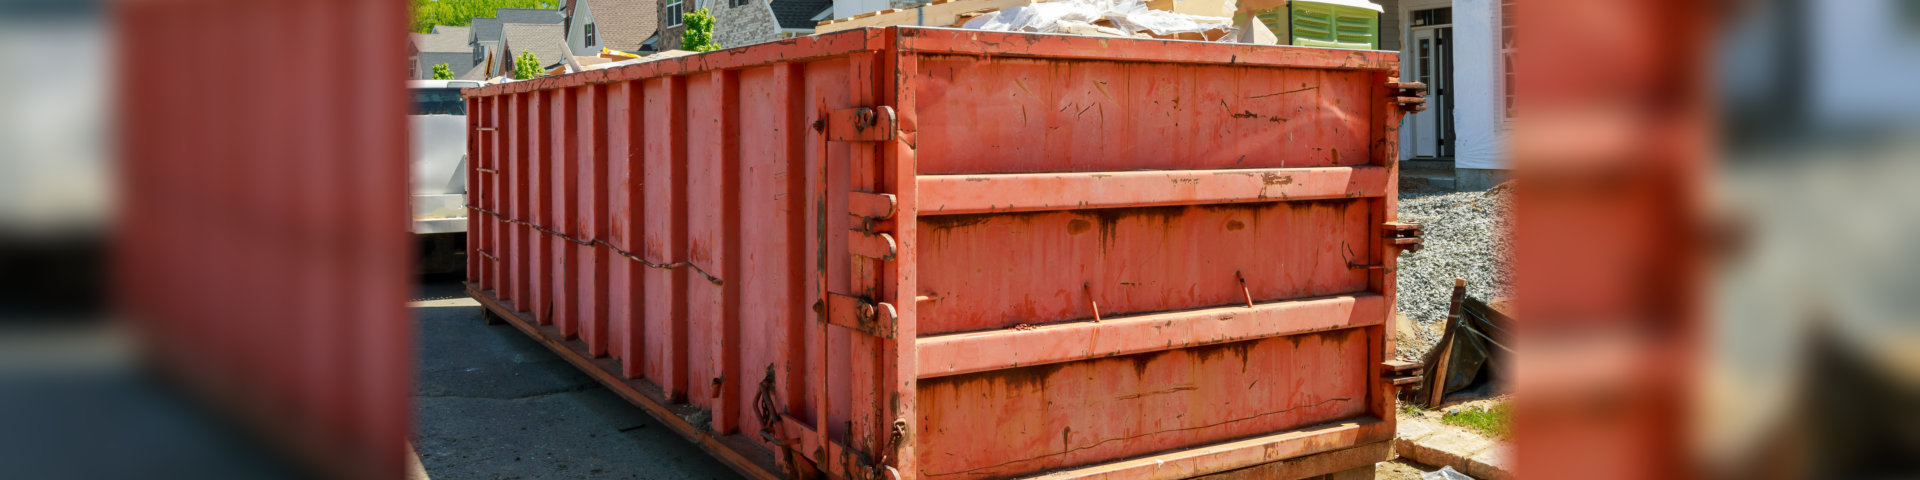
(1215, 206)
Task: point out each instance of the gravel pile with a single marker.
(1466, 237)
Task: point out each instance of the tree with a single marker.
(442, 72)
(699, 34)
(428, 13)
(526, 66)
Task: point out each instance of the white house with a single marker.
(1463, 50)
(622, 25)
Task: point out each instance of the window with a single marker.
(590, 41)
(1507, 49)
(739, 3)
(439, 101)
(674, 13)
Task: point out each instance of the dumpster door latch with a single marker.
(861, 124)
(1404, 235)
(874, 319)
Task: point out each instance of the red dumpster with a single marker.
(931, 253)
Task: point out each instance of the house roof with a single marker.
(546, 41)
(485, 29)
(530, 15)
(444, 39)
(799, 13)
(457, 62)
(478, 72)
(624, 24)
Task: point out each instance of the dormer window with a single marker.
(590, 40)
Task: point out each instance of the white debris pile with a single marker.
(1466, 236)
(1119, 18)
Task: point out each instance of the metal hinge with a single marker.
(859, 314)
(1401, 373)
(1405, 235)
(861, 124)
(1412, 96)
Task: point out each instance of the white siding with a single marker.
(577, 31)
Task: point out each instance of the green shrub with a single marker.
(699, 34)
(527, 66)
(442, 72)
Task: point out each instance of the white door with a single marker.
(1428, 66)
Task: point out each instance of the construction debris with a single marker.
(1119, 18)
(1465, 237)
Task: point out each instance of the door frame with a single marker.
(1443, 107)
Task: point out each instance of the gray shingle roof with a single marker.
(458, 62)
(444, 39)
(478, 72)
(451, 30)
(546, 41)
(799, 13)
(624, 24)
(485, 29)
(530, 15)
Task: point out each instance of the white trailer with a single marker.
(439, 178)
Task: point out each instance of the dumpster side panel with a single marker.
(1133, 260)
(590, 258)
(563, 145)
(1082, 115)
(619, 222)
(771, 207)
(1135, 251)
(664, 241)
(1051, 416)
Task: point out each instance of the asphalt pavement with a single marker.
(493, 404)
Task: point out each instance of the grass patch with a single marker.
(1496, 422)
(1410, 408)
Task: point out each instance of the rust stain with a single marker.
(1275, 179)
(1235, 225)
(1078, 226)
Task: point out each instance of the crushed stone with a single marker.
(1466, 236)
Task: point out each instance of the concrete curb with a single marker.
(1432, 443)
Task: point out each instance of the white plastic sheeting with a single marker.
(1128, 17)
(1479, 114)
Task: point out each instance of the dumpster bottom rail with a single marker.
(1304, 452)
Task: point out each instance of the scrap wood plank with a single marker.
(937, 14)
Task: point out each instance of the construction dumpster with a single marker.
(931, 253)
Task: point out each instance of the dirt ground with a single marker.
(1399, 469)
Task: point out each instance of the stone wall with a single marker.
(746, 24)
(669, 36)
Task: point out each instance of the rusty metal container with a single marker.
(929, 253)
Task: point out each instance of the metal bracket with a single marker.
(873, 206)
(1412, 96)
(862, 124)
(1404, 235)
(877, 246)
(860, 315)
(1401, 373)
